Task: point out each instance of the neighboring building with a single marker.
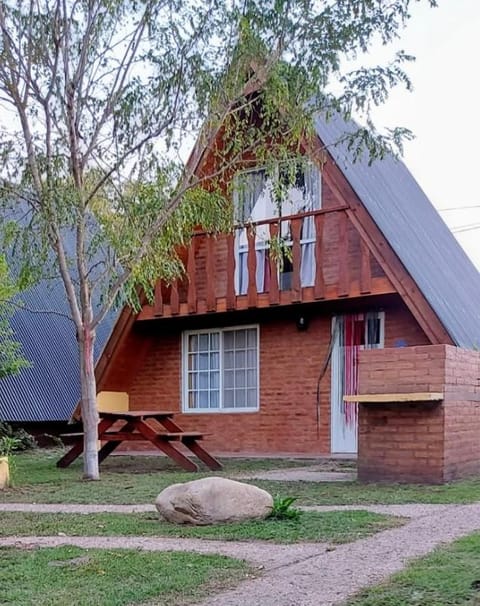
(45, 395)
(258, 358)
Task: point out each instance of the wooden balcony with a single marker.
(342, 267)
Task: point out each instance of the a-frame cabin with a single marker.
(259, 358)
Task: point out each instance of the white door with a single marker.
(350, 334)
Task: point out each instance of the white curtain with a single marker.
(312, 202)
(254, 201)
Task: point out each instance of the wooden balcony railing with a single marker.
(342, 267)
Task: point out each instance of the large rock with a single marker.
(212, 501)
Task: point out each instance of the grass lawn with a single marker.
(125, 479)
(448, 577)
(331, 527)
(139, 480)
(355, 493)
(63, 576)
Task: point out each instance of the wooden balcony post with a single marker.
(174, 299)
(319, 284)
(252, 269)
(230, 271)
(343, 273)
(158, 302)
(273, 294)
(192, 283)
(296, 260)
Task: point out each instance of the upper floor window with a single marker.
(293, 189)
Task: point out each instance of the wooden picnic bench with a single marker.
(156, 427)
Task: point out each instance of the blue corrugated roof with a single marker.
(50, 389)
(427, 248)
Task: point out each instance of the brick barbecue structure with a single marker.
(375, 299)
(419, 440)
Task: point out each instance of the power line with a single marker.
(461, 228)
(444, 210)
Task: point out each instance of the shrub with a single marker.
(283, 509)
(23, 440)
(8, 445)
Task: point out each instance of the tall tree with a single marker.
(100, 97)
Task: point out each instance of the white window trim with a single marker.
(220, 410)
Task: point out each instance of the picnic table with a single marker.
(157, 427)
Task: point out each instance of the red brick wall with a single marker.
(462, 413)
(425, 441)
(400, 443)
(290, 364)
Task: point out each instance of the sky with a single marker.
(443, 111)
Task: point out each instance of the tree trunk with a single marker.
(89, 406)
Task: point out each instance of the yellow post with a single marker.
(4, 473)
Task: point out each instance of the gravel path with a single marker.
(331, 576)
(295, 575)
(302, 474)
(75, 508)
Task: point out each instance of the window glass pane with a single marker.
(228, 339)
(228, 359)
(373, 331)
(228, 378)
(240, 398)
(239, 378)
(240, 338)
(251, 378)
(191, 400)
(228, 398)
(193, 342)
(252, 337)
(215, 341)
(203, 399)
(252, 398)
(192, 362)
(214, 380)
(239, 359)
(203, 342)
(250, 196)
(203, 359)
(214, 399)
(203, 380)
(252, 358)
(192, 380)
(214, 361)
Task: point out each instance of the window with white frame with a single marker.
(220, 370)
(295, 188)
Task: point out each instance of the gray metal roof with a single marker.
(427, 248)
(50, 389)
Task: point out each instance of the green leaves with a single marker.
(283, 509)
(11, 359)
(107, 97)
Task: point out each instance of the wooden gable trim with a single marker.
(121, 330)
(381, 249)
